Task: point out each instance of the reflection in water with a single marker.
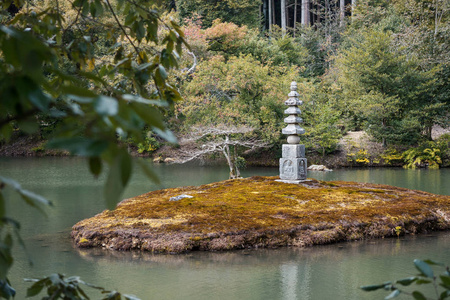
(320, 272)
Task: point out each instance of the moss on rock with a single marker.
(261, 212)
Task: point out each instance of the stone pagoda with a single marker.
(293, 164)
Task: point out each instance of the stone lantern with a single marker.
(293, 164)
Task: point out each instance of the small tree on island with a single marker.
(228, 140)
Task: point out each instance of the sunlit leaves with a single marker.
(237, 91)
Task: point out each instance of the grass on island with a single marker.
(261, 212)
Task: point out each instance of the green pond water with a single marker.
(322, 272)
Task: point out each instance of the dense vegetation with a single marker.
(384, 70)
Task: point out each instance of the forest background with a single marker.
(379, 67)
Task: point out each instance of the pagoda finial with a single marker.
(293, 128)
(293, 163)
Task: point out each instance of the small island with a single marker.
(261, 212)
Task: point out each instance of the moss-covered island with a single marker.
(261, 212)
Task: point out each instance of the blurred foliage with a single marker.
(426, 276)
(59, 287)
(95, 72)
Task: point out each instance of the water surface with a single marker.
(321, 272)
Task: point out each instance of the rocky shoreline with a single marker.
(259, 212)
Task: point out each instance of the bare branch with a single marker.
(194, 65)
(221, 141)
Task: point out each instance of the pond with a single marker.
(321, 272)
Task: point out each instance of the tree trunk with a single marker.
(428, 131)
(295, 16)
(341, 12)
(283, 16)
(237, 173)
(353, 7)
(305, 12)
(230, 160)
(273, 12)
(270, 14)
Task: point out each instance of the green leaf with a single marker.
(6, 131)
(106, 106)
(162, 72)
(445, 281)
(424, 268)
(79, 145)
(140, 30)
(95, 165)
(432, 262)
(131, 297)
(21, 242)
(394, 294)
(407, 281)
(39, 99)
(369, 288)
(85, 9)
(79, 289)
(34, 200)
(29, 197)
(2, 205)
(93, 9)
(77, 91)
(5, 4)
(126, 168)
(6, 291)
(113, 188)
(135, 98)
(149, 172)
(77, 3)
(10, 182)
(422, 281)
(35, 289)
(98, 7)
(445, 294)
(418, 295)
(56, 113)
(29, 126)
(149, 114)
(129, 19)
(166, 134)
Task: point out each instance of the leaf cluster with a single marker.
(59, 287)
(426, 276)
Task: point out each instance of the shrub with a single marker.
(392, 157)
(426, 155)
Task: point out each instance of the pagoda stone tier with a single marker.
(293, 164)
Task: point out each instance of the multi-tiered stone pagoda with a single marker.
(293, 164)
